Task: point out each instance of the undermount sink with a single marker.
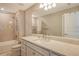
(42, 40)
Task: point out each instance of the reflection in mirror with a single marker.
(56, 22)
(71, 24)
(38, 25)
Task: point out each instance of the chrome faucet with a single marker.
(44, 32)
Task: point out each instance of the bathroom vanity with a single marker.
(35, 46)
(29, 48)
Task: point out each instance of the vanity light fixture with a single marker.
(54, 5)
(41, 5)
(47, 6)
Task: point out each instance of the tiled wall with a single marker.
(7, 31)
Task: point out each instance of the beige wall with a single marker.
(24, 21)
(28, 20)
(20, 23)
(54, 24)
(54, 21)
(7, 31)
(28, 23)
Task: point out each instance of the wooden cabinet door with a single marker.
(31, 52)
(38, 49)
(23, 50)
(36, 53)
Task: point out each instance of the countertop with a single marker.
(64, 48)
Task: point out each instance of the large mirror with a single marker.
(58, 21)
(71, 24)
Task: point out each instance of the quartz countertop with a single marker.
(63, 48)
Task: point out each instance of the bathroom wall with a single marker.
(28, 23)
(24, 21)
(71, 24)
(20, 23)
(28, 19)
(7, 31)
(54, 21)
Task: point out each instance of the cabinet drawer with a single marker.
(38, 49)
(23, 52)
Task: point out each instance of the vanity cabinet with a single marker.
(27, 51)
(54, 54)
(31, 49)
(37, 48)
(31, 52)
(23, 50)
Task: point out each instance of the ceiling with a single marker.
(59, 7)
(13, 7)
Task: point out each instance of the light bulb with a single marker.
(54, 5)
(45, 4)
(49, 7)
(41, 5)
(46, 8)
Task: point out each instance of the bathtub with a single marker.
(9, 48)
